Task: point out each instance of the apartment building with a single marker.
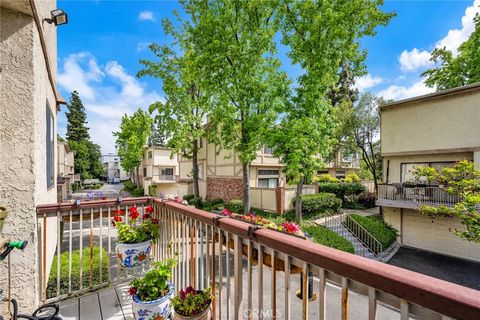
(112, 170)
(65, 171)
(29, 103)
(433, 130)
(343, 165)
(159, 172)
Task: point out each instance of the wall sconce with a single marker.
(59, 17)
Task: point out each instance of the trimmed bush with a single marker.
(235, 206)
(352, 177)
(197, 202)
(328, 238)
(326, 178)
(138, 192)
(318, 203)
(152, 190)
(215, 202)
(342, 189)
(367, 199)
(188, 197)
(384, 233)
(52, 280)
(129, 185)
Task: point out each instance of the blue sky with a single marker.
(99, 50)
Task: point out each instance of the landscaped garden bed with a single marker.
(384, 233)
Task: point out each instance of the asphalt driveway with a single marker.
(454, 270)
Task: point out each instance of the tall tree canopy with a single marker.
(187, 103)
(132, 138)
(87, 154)
(321, 35)
(456, 71)
(235, 54)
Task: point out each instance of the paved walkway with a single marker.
(108, 190)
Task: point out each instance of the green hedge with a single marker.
(328, 238)
(313, 204)
(384, 233)
(188, 197)
(342, 189)
(138, 192)
(64, 261)
(235, 206)
(129, 185)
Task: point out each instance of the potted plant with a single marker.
(152, 293)
(134, 240)
(192, 304)
(3, 215)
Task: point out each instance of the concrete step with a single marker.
(358, 246)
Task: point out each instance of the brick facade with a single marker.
(225, 188)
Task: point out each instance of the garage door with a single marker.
(420, 232)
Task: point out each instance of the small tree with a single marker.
(462, 180)
(131, 140)
(187, 103)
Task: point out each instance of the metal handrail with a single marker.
(205, 245)
(363, 235)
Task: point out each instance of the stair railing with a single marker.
(362, 235)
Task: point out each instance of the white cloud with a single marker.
(456, 37)
(367, 82)
(395, 92)
(146, 15)
(107, 92)
(415, 59)
(142, 46)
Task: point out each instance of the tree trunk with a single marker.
(374, 167)
(298, 200)
(196, 188)
(246, 188)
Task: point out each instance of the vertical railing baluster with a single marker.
(273, 295)
(81, 250)
(322, 286)
(260, 282)
(44, 258)
(287, 286)
(109, 235)
(237, 271)
(404, 312)
(70, 237)
(214, 284)
(101, 244)
(372, 304)
(220, 272)
(207, 256)
(305, 290)
(249, 280)
(227, 247)
(91, 250)
(59, 245)
(344, 298)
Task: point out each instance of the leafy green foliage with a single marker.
(129, 185)
(352, 177)
(342, 190)
(197, 202)
(367, 199)
(188, 197)
(384, 233)
(313, 204)
(326, 237)
(191, 302)
(132, 138)
(76, 119)
(462, 180)
(75, 271)
(235, 206)
(326, 178)
(133, 231)
(154, 284)
(450, 71)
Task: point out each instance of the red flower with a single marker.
(155, 221)
(182, 294)
(145, 216)
(132, 291)
(118, 212)
(116, 219)
(190, 290)
(290, 227)
(149, 209)
(133, 213)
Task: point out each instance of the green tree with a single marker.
(187, 103)
(451, 71)
(131, 140)
(361, 128)
(157, 137)
(321, 35)
(235, 55)
(87, 154)
(462, 180)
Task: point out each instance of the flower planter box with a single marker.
(153, 310)
(205, 315)
(130, 255)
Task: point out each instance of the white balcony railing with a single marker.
(165, 178)
(413, 196)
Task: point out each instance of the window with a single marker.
(144, 172)
(166, 172)
(323, 172)
(200, 171)
(268, 172)
(340, 174)
(50, 148)
(406, 170)
(267, 150)
(268, 183)
(149, 154)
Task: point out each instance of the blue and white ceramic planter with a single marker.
(130, 255)
(159, 309)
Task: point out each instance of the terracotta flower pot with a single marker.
(130, 255)
(153, 310)
(3, 215)
(205, 315)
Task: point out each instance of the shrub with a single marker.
(328, 238)
(129, 185)
(326, 178)
(152, 190)
(318, 203)
(352, 177)
(215, 202)
(188, 197)
(342, 189)
(138, 192)
(367, 199)
(75, 280)
(154, 284)
(197, 202)
(384, 233)
(75, 186)
(235, 206)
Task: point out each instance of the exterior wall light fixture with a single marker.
(59, 17)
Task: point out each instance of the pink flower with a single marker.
(178, 200)
(227, 212)
(290, 227)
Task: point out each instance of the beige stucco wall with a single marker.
(392, 216)
(25, 91)
(449, 122)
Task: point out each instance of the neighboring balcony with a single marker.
(165, 178)
(411, 197)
